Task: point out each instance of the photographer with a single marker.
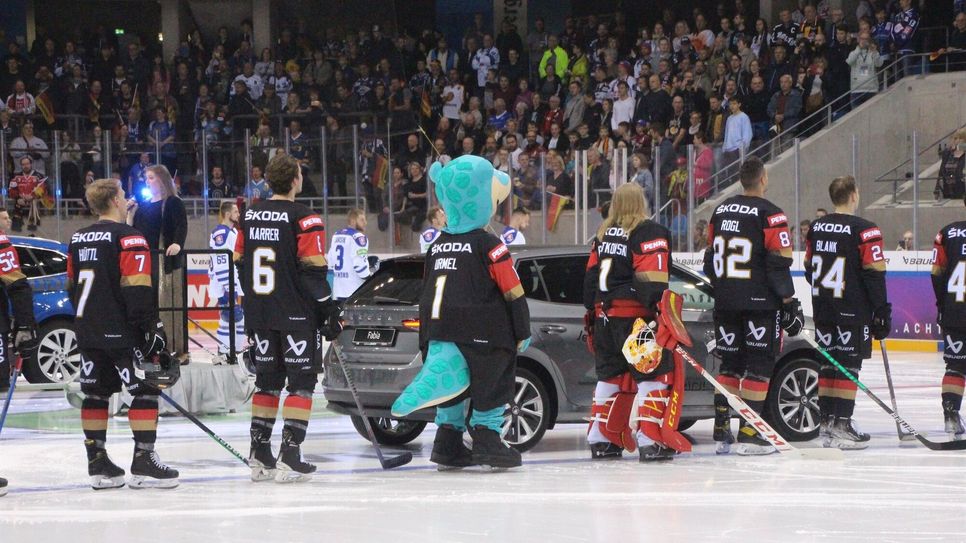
(863, 61)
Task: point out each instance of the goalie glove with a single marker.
(881, 322)
(589, 317)
(793, 319)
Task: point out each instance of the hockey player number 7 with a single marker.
(85, 280)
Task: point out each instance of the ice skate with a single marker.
(824, 424)
(262, 461)
(290, 468)
(449, 452)
(750, 443)
(3, 487)
(655, 453)
(491, 452)
(605, 451)
(103, 472)
(954, 424)
(723, 438)
(845, 436)
(147, 471)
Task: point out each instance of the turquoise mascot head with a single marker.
(469, 189)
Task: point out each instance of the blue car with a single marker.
(44, 262)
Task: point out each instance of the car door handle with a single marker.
(553, 329)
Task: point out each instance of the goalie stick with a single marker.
(932, 445)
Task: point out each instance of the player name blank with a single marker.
(263, 234)
(826, 246)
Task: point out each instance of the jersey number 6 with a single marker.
(263, 274)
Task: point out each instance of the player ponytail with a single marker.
(628, 209)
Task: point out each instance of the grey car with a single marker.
(555, 378)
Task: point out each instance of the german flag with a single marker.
(380, 174)
(555, 206)
(46, 107)
(44, 195)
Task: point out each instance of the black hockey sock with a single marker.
(264, 412)
(826, 401)
(143, 417)
(953, 385)
(94, 419)
(754, 390)
(296, 412)
(844, 391)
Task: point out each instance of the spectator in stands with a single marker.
(957, 43)
(7, 127)
(526, 183)
(29, 145)
(641, 174)
(952, 168)
(906, 243)
(755, 104)
(784, 108)
(136, 178)
(514, 68)
(558, 180)
(23, 191)
(500, 116)
(905, 23)
(258, 187)
(554, 57)
(864, 60)
(574, 108)
(453, 96)
(508, 39)
(658, 102)
(738, 132)
(414, 192)
(161, 134)
(484, 59)
(219, 188)
(21, 102)
(599, 171)
(663, 148)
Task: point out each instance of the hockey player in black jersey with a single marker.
(949, 284)
(117, 327)
(845, 264)
(281, 252)
(15, 294)
(473, 320)
(627, 273)
(748, 260)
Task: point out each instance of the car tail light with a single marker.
(412, 324)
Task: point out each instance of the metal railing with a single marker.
(892, 175)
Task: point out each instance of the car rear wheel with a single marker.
(529, 413)
(389, 431)
(57, 359)
(792, 406)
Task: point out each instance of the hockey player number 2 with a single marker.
(85, 280)
(957, 282)
(262, 271)
(438, 297)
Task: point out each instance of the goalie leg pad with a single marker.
(651, 402)
(611, 412)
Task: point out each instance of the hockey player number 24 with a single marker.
(834, 278)
(727, 266)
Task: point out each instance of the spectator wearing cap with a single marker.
(554, 56)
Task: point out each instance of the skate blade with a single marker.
(847, 445)
(100, 482)
(142, 481)
(286, 477)
(722, 447)
(492, 469)
(442, 468)
(3, 492)
(754, 450)
(261, 473)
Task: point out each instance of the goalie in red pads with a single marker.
(635, 402)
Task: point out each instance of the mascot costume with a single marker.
(473, 320)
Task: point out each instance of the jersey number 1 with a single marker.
(438, 297)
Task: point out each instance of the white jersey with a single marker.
(512, 236)
(427, 238)
(222, 238)
(348, 259)
(254, 83)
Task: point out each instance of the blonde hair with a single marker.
(960, 135)
(100, 193)
(168, 187)
(628, 210)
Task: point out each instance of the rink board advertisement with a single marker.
(908, 283)
(198, 296)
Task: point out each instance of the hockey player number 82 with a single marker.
(739, 250)
(263, 274)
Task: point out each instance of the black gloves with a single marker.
(155, 340)
(330, 321)
(881, 322)
(793, 320)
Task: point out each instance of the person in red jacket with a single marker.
(22, 192)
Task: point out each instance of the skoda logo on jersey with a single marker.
(844, 337)
(729, 339)
(954, 346)
(87, 366)
(757, 333)
(824, 339)
(297, 348)
(262, 345)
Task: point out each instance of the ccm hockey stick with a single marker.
(757, 422)
(932, 445)
(386, 463)
(903, 436)
(17, 364)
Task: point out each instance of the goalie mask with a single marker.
(641, 349)
(161, 371)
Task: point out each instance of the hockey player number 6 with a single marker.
(727, 266)
(263, 274)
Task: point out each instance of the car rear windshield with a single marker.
(398, 282)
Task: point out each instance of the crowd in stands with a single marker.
(722, 81)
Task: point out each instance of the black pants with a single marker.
(105, 371)
(289, 356)
(747, 342)
(492, 376)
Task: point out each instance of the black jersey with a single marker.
(845, 264)
(109, 279)
(15, 292)
(281, 249)
(749, 255)
(471, 293)
(627, 274)
(949, 274)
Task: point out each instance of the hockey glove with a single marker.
(25, 342)
(793, 320)
(331, 320)
(155, 340)
(881, 322)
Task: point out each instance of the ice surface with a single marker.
(886, 493)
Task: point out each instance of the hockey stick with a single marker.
(392, 462)
(903, 436)
(757, 422)
(13, 385)
(201, 425)
(932, 445)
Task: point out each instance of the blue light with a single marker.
(145, 193)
